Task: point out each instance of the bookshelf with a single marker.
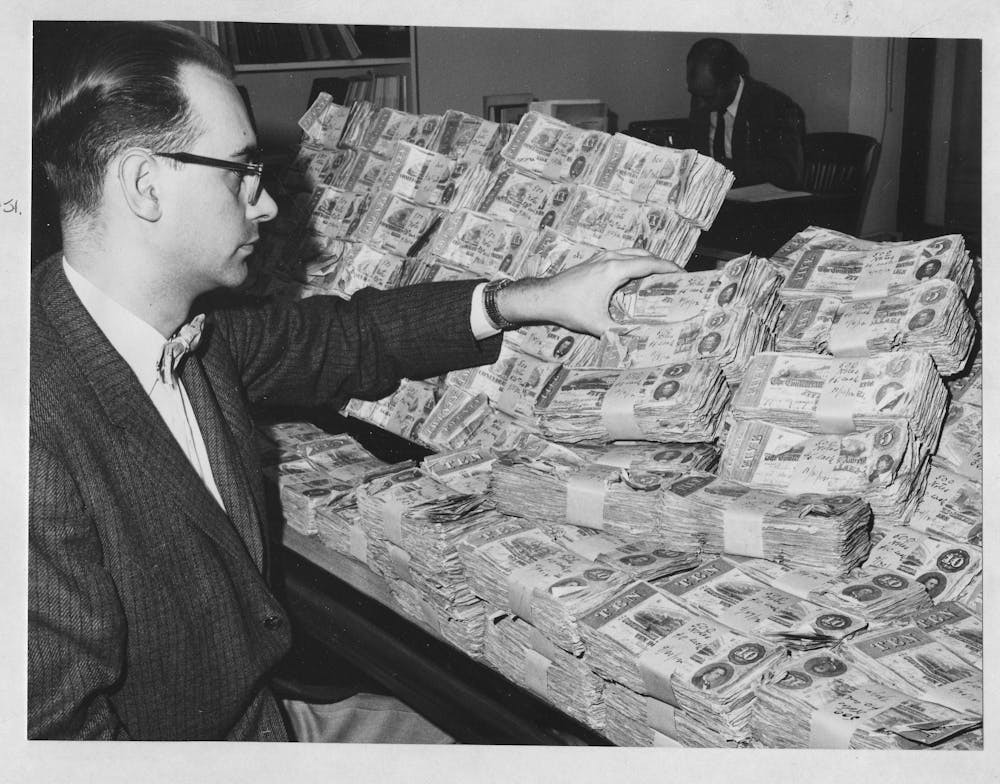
(279, 71)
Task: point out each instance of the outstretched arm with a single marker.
(578, 298)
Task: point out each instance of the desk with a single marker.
(343, 606)
(763, 227)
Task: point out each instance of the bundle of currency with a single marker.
(560, 488)
(931, 316)
(335, 213)
(702, 512)
(393, 223)
(360, 117)
(426, 270)
(643, 640)
(955, 627)
(644, 561)
(707, 186)
(534, 142)
(631, 167)
(389, 126)
(465, 137)
(512, 384)
(637, 720)
(515, 196)
(401, 413)
(576, 156)
(689, 511)
(414, 522)
(912, 661)
(654, 457)
(520, 653)
(302, 438)
(721, 591)
(350, 267)
(680, 402)
(324, 121)
(550, 252)
(521, 568)
(745, 282)
(316, 472)
(460, 621)
(827, 702)
(463, 470)
(689, 197)
(420, 175)
(961, 447)
(967, 387)
(485, 245)
(728, 337)
(342, 530)
(876, 595)
(554, 344)
(817, 262)
(316, 166)
(951, 507)
(946, 569)
(829, 395)
(598, 218)
(454, 418)
(886, 466)
(360, 171)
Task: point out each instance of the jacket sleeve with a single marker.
(76, 626)
(322, 351)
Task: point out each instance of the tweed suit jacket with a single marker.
(768, 133)
(149, 613)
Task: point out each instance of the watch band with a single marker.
(490, 303)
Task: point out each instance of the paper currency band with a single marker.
(536, 672)
(585, 494)
(359, 544)
(490, 292)
(743, 532)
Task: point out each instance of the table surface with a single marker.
(344, 607)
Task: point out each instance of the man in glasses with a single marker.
(150, 615)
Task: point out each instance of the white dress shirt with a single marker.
(141, 346)
(729, 119)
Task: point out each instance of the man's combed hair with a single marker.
(724, 60)
(103, 87)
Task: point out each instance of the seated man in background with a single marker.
(762, 129)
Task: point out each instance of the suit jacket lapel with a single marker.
(228, 468)
(128, 407)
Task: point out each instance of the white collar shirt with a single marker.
(141, 345)
(730, 120)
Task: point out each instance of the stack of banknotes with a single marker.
(827, 701)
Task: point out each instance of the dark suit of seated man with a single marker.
(764, 128)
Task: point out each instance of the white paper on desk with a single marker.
(764, 191)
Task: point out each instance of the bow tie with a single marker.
(184, 340)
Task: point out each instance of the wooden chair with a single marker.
(840, 168)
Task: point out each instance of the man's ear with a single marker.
(138, 177)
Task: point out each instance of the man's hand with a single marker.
(578, 298)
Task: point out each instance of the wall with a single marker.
(840, 82)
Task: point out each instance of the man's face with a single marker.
(706, 93)
(211, 228)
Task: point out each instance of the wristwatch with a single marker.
(490, 303)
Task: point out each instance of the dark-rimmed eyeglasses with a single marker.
(253, 172)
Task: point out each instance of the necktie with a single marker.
(719, 143)
(184, 340)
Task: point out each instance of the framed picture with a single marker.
(506, 108)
